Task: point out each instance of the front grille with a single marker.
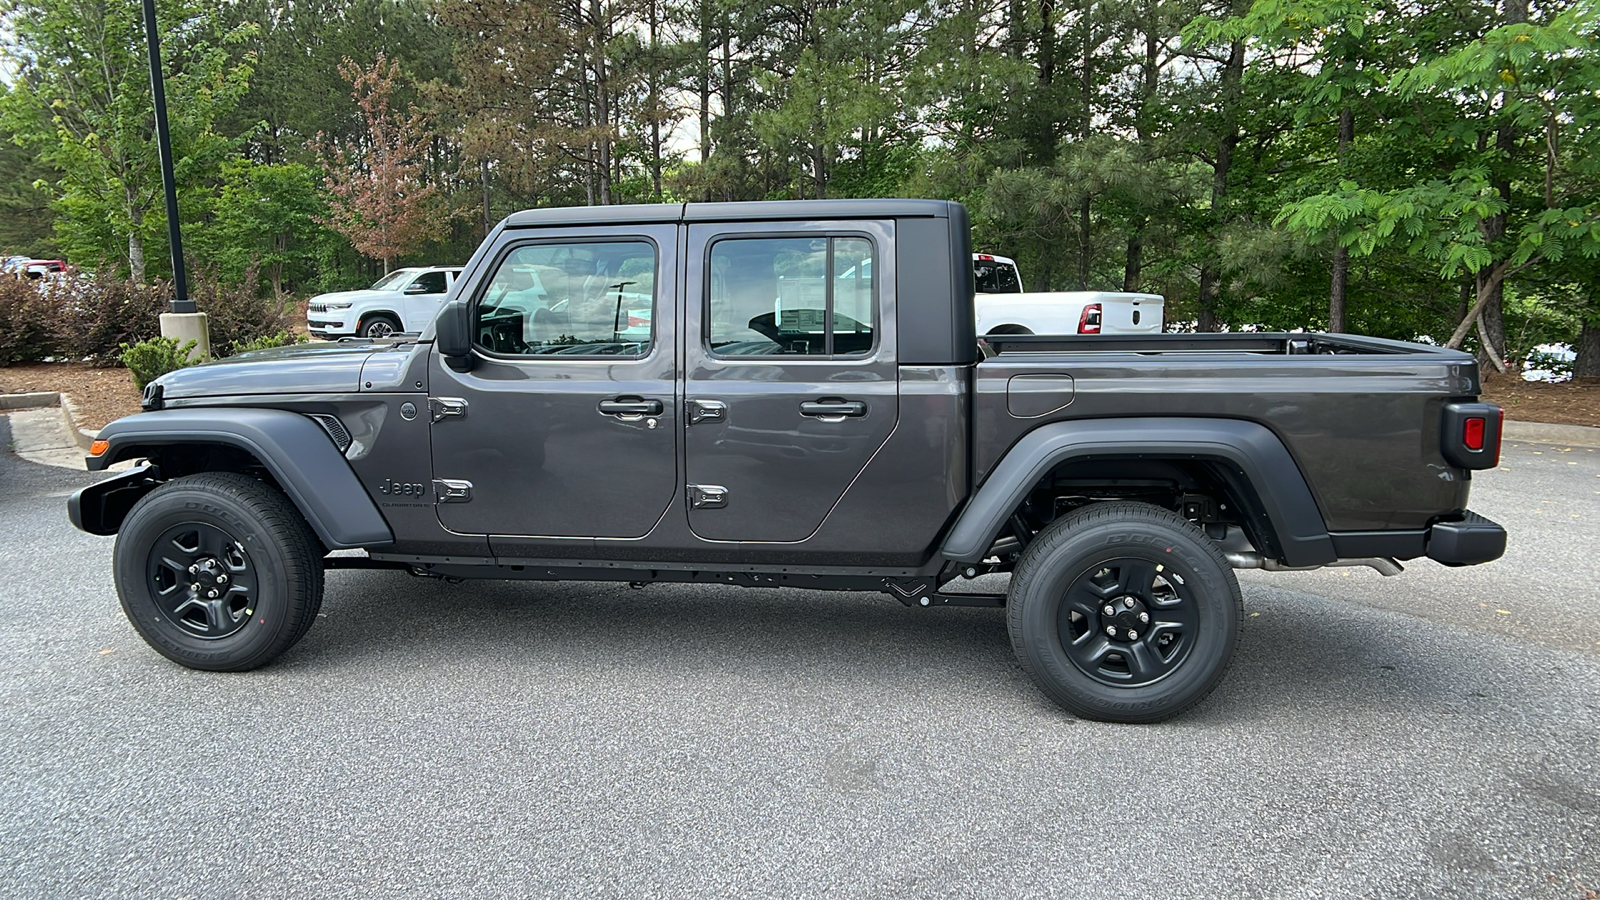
(335, 430)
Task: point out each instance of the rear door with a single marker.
(790, 372)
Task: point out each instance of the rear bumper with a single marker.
(1470, 541)
(1466, 541)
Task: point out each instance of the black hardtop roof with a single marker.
(759, 210)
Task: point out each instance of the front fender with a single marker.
(298, 453)
(1248, 449)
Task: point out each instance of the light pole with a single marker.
(183, 320)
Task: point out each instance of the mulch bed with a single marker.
(99, 395)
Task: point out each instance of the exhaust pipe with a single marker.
(1384, 565)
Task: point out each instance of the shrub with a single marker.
(237, 313)
(284, 338)
(26, 332)
(95, 318)
(149, 360)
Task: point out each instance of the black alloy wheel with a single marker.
(1124, 612)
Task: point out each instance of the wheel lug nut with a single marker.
(1133, 635)
(1128, 602)
(194, 568)
(1110, 610)
(212, 594)
(223, 579)
(1111, 630)
(1144, 617)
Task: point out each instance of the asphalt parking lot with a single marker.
(1436, 734)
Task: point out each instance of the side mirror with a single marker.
(415, 287)
(453, 335)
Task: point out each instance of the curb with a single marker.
(1543, 433)
(29, 401)
(43, 399)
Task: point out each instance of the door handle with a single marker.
(631, 406)
(832, 408)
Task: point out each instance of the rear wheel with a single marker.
(1124, 612)
(378, 325)
(218, 571)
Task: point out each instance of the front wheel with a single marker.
(378, 325)
(218, 571)
(1124, 612)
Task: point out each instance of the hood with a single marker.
(319, 368)
(351, 296)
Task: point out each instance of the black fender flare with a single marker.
(1247, 449)
(299, 454)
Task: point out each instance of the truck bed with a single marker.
(1360, 415)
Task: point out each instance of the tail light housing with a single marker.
(1089, 319)
(1470, 434)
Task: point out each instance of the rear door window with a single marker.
(811, 296)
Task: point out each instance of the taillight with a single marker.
(1089, 319)
(1471, 434)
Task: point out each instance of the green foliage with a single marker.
(149, 359)
(284, 338)
(265, 216)
(82, 103)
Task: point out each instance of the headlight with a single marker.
(338, 304)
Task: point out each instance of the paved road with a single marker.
(1376, 738)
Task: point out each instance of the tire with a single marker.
(378, 325)
(1151, 568)
(222, 532)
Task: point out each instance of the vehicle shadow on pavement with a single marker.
(1296, 654)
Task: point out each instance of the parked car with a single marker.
(1003, 307)
(404, 300)
(36, 269)
(773, 424)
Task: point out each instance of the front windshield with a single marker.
(392, 280)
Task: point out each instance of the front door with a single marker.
(566, 426)
(790, 374)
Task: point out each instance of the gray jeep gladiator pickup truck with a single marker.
(791, 394)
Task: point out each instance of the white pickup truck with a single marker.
(1004, 308)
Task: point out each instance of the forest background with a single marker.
(1402, 169)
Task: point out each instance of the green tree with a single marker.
(82, 102)
(1500, 167)
(266, 215)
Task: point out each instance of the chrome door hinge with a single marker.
(707, 496)
(446, 408)
(452, 490)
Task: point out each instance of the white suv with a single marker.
(403, 300)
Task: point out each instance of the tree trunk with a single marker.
(1587, 367)
(705, 89)
(1341, 253)
(1134, 258)
(1210, 271)
(1084, 247)
(483, 182)
(135, 257)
